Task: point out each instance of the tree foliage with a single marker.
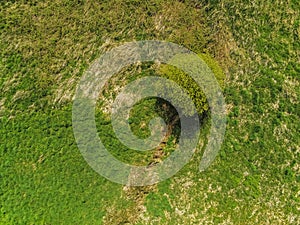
(190, 86)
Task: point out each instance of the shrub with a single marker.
(191, 87)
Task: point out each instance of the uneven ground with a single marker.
(47, 45)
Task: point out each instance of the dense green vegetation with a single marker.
(191, 87)
(47, 45)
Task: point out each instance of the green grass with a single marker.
(44, 178)
(47, 45)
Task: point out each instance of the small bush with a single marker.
(191, 87)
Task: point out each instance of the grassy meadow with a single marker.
(45, 47)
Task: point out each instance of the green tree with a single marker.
(189, 85)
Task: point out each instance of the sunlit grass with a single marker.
(46, 46)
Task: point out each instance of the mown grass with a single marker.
(46, 46)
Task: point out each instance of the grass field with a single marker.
(47, 45)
